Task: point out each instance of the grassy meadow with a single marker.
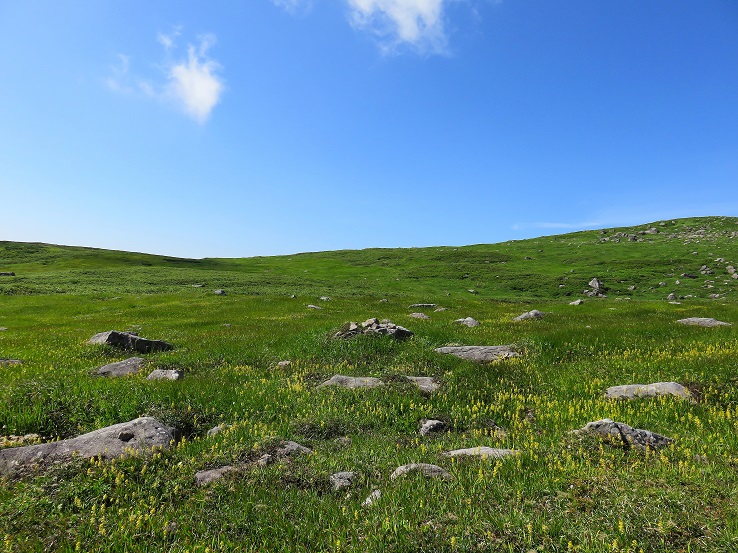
(563, 492)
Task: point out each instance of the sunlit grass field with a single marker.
(562, 492)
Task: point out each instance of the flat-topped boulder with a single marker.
(627, 435)
(530, 315)
(373, 327)
(139, 435)
(633, 391)
(425, 383)
(483, 452)
(165, 374)
(341, 480)
(702, 321)
(128, 366)
(287, 448)
(481, 354)
(129, 340)
(427, 470)
(422, 306)
(468, 321)
(351, 382)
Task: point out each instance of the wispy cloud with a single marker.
(192, 84)
(416, 23)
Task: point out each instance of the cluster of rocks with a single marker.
(374, 327)
(624, 434)
(596, 289)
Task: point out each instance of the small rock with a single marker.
(165, 374)
(289, 448)
(671, 297)
(10, 362)
(311, 306)
(468, 321)
(427, 470)
(625, 434)
(481, 354)
(128, 366)
(631, 288)
(633, 391)
(219, 292)
(265, 460)
(284, 364)
(702, 321)
(324, 298)
(215, 430)
(205, 477)
(432, 426)
(374, 496)
(576, 302)
(472, 291)
(535, 314)
(482, 451)
(383, 300)
(422, 306)
(3, 329)
(7, 274)
(342, 480)
(425, 383)
(198, 285)
(419, 316)
(352, 382)
(439, 309)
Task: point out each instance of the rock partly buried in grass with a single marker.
(427, 470)
(432, 426)
(7, 274)
(215, 430)
(535, 314)
(341, 480)
(129, 340)
(311, 306)
(219, 292)
(139, 435)
(205, 477)
(422, 306)
(481, 354)
(351, 382)
(165, 374)
(468, 321)
(373, 327)
(425, 383)
(633, 391)
(702, 321)
(482, 451)
(419, 316)
(10, 362)
(627, 435)
(576, 302)
(371, 498)
(122, 368)
(288, 448)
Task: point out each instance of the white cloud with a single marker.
(418, 23)
(194, 84)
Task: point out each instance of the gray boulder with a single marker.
(215, 430)
(208, 476)
(139, 435)
(288, 448)
(422, 306)
(371, 498)
(128, 366)
(535, 314)
(129, 340)
(425, 383)
(432, 426)
(10, 362)
(468, 321)
(219, 292)
(311, 306)
(351, 382)
(481, 451)
(427, 470)
(627, 435)
(419, 316)
(576, 302)
(165, 374)
(481, 354)
(702, 321)
(633, 391)
(341, 480)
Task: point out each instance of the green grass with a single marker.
(562, 493)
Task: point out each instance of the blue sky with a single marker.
(260, 127)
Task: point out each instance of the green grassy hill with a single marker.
(560, 493)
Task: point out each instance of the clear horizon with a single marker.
(287, 126)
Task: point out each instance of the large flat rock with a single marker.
(427, 470)
(702, 321)
(128, 366)
(483, 452)
(129, 340)
(627, 435)
(426, 384)
(481, 354)
(634, 391)
(351, 382)
(139, 435)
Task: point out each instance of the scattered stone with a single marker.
(576, 302)
(374, 496)
(714, 296)
(731, 270)
(535, 314)
(311, 306)
(432, 426)
(427, 470)
(472, 291)
(596, 284)
(215, 430)
(675, 303)
(688, 275)
(482, 451)
(265, 460)
(289, 448)
(165, 374)
(352, 382)
(702, 321)
(419, 316)
(219, 292)
(633, 391)
(425, 383)
(439, 309)
(128, 366)
(383, 300)
(8, 274)
(205, 477)
(284, 364)
(372, 327)
(106, 443)
(3, 329)
(662, 283)
(628, 435)
(468, 321)
(129, 340)
(227, 325)
(671, 297)
(631, 288)
(597, 289)
(422, 306)
(479, 353)
(198, 285)
(324, 298)
(341, 480)
(10, 362)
